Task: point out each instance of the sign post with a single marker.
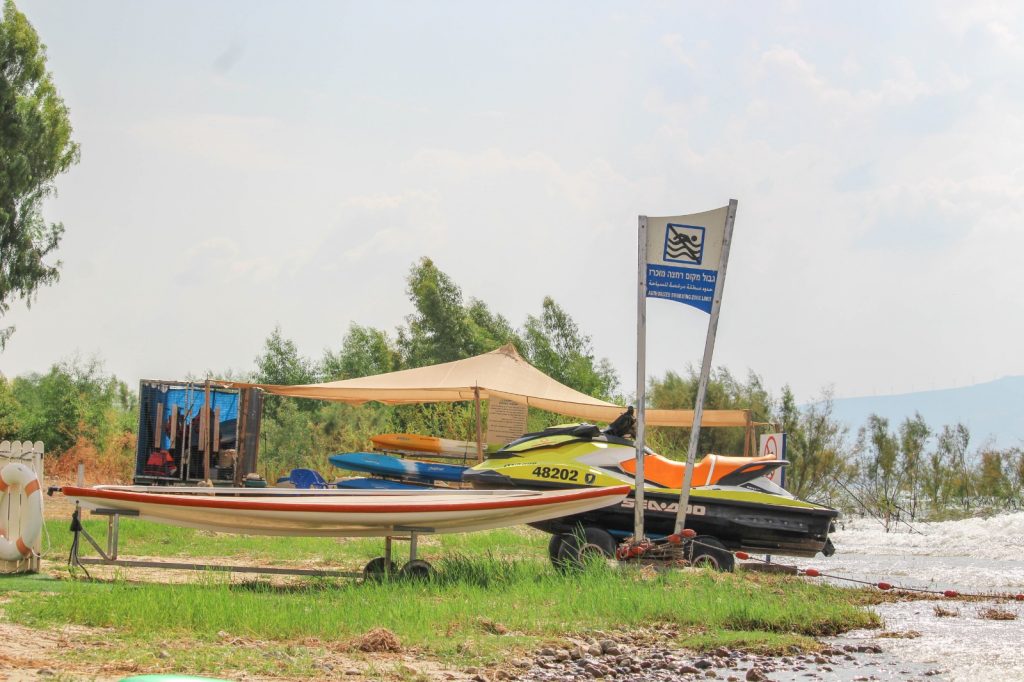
(641, 378)
(684, 259)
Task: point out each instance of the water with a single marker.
(975, 555)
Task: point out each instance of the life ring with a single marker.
(17, 475)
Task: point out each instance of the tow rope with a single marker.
(646, 547)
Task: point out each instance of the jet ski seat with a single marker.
(669, 473)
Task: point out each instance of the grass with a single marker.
(493, 595)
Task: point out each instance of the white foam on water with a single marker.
(998, 537)
(963, 647)
(980, 555)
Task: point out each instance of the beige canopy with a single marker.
(502, 373)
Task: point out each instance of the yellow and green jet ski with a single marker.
(736, 508)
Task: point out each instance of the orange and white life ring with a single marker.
(19, 476)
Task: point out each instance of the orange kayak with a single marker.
(412, 442)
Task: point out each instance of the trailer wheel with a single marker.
(379, 569)
(584, 545)
(417, 569)
(555, 549)
(708, 551)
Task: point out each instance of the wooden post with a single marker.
(206, 433)
(158, 425)
(479, 426)
(240, 449)
(174, 425)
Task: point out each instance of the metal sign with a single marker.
(684, 259)
(774, 444)
(684, 255)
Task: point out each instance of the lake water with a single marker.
(975, 555)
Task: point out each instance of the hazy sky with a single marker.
(250, 164)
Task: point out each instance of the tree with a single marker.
(9, 427)
(443, 328)
(815, 446)
(883, 473)
(952, 451)
(35, 147)
(914, 433)
(554, 344)
(724, 392)
(365, 351)
(992, 481)
(281, 363)
(74, 399)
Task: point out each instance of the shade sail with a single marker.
(502, 373)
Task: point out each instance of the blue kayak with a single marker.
(395, 467)
(377, 484)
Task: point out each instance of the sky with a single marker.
(252, 164)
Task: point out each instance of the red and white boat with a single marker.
(280, 511)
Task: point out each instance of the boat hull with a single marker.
(344, 513)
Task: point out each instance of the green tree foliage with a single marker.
(953, 443)
(883, 470)
(554, 344)
(993, 485)
(365, 351)
(35, 147)
(442, 328)
(724, 392)
(820, 462)
(914, 434)
(74, 399)
(9, 425)
(281, 363)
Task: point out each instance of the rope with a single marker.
(884, 586)
(635, 550)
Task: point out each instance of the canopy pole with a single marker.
(479, 426)
(705, 369)
(641, 376)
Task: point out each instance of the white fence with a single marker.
(11, 504)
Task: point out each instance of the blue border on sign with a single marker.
(700, 258)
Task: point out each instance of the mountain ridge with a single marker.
(993, 410)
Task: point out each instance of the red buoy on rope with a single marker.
(951, 593)
(742, 555)
(811, 572)
(688, 533)
(884, 586)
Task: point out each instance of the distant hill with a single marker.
(993, 410)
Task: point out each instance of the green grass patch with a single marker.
(493, 595)
(754, 641)
(480, 604)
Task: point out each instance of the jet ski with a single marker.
(732, 505)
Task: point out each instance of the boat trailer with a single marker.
(376, 569)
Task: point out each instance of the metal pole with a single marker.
(641, 375)
(705, 368)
